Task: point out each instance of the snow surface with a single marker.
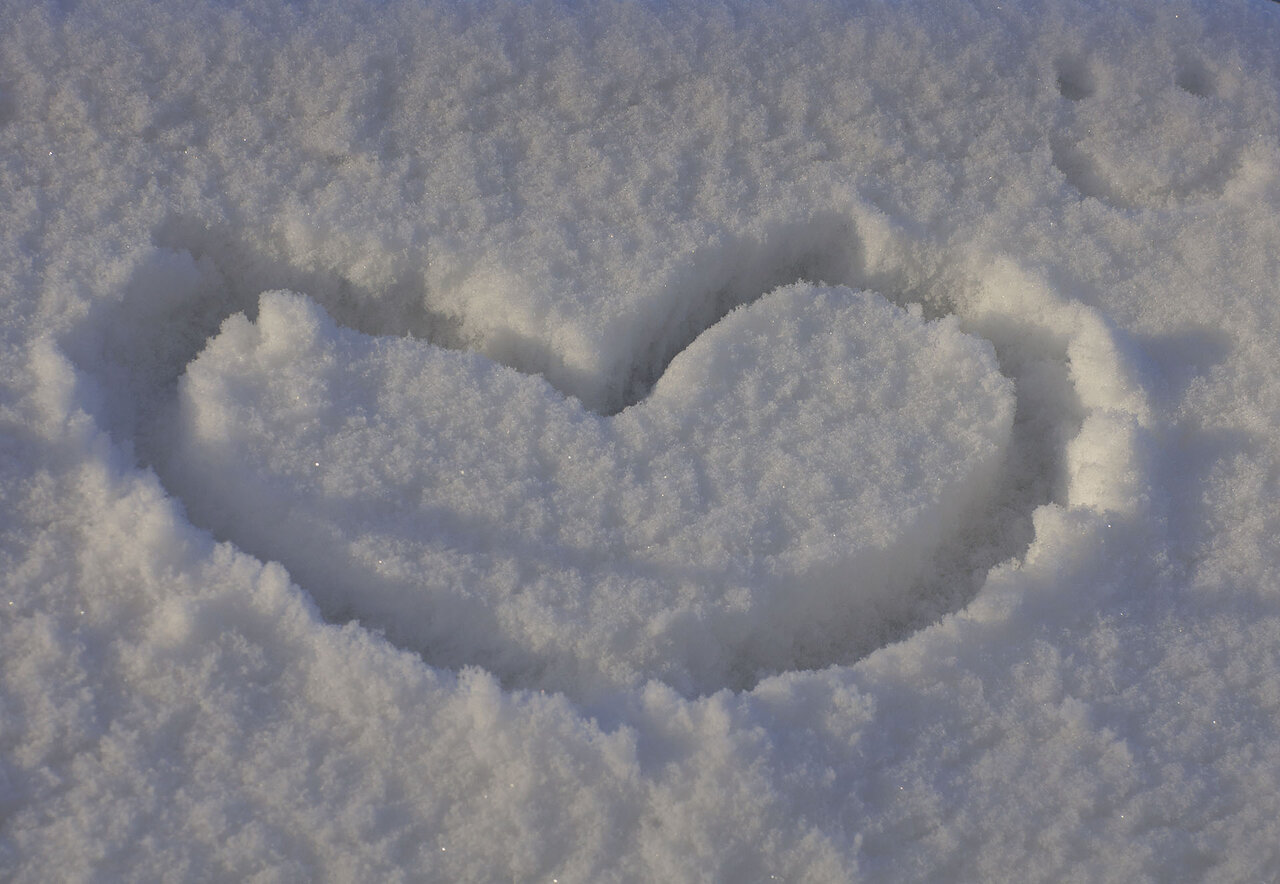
(636, 441)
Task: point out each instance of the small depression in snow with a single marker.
(812, 456)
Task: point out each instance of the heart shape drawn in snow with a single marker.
(769, 503)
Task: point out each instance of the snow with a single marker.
(808, 441)
(475, 514)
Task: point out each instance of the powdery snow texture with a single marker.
(774, 497)
(542, 441)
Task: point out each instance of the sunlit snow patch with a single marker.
(771, 501)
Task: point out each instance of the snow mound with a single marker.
(770, 505)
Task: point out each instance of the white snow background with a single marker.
(627, 441)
